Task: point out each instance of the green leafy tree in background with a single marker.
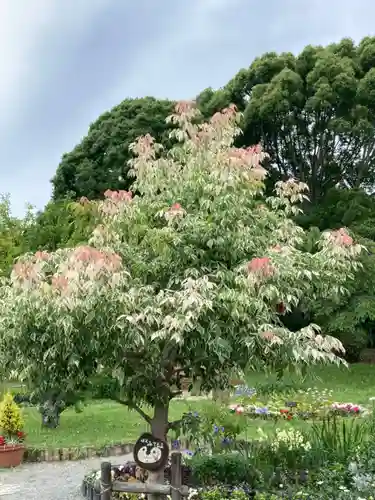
(351, 316)
(61, 224)
(352, 319)
(183, 279)
(99, 162)
(13, 239)
(352, 208)
(314, 113)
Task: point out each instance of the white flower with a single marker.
(353, 467)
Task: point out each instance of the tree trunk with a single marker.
(159, 425)
(196, 390)
(222, 397)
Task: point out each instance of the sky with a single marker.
(63, 63)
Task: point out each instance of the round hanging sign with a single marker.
(150, 453)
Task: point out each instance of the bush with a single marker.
(231, 468)
(22, 398)
(354, 342)
(223, 493)
(11, 422)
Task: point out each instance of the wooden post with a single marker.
(106, 481)
(176, 476)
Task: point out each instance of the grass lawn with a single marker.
(101, 423)
(104, 423)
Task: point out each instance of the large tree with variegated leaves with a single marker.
(186, 279)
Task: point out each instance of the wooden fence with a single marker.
(154, 491)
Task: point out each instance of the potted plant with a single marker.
(12, 435)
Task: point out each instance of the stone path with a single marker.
(50, 480)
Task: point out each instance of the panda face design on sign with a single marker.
(148, 456)
(150, 453)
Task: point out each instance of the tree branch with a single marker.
(173, 394)
(134, 407)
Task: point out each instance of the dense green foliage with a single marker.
(61, 224)
(99, 161)
(313, 112)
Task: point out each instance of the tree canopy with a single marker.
(186, 278)
(99, 161)
(314, 113)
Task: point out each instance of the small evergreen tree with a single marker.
(11, 422)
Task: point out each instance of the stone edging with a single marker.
(75, 453)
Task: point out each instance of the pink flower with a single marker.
(60, 282)
(240, 410)
(41, 256)
(342, 238)
(25, 271)
(183, 107)
(261, 266)
(175, 206)
(117, 196)
(109, 260)
(267, 335)
(276, 248)
(255, 150)
(174, 211)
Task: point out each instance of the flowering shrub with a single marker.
(285, 448)
(194, 249)
(211, 430)
(291, 439)
(11, 422)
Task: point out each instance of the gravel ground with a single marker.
(50, 480)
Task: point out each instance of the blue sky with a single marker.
(65, 62)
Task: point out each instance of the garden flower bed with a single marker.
(292, 411)
(332, 458)
(303, 405)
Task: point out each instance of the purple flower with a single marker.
(188, 452)
(243, 390)
(261, 411)
(176, 444)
